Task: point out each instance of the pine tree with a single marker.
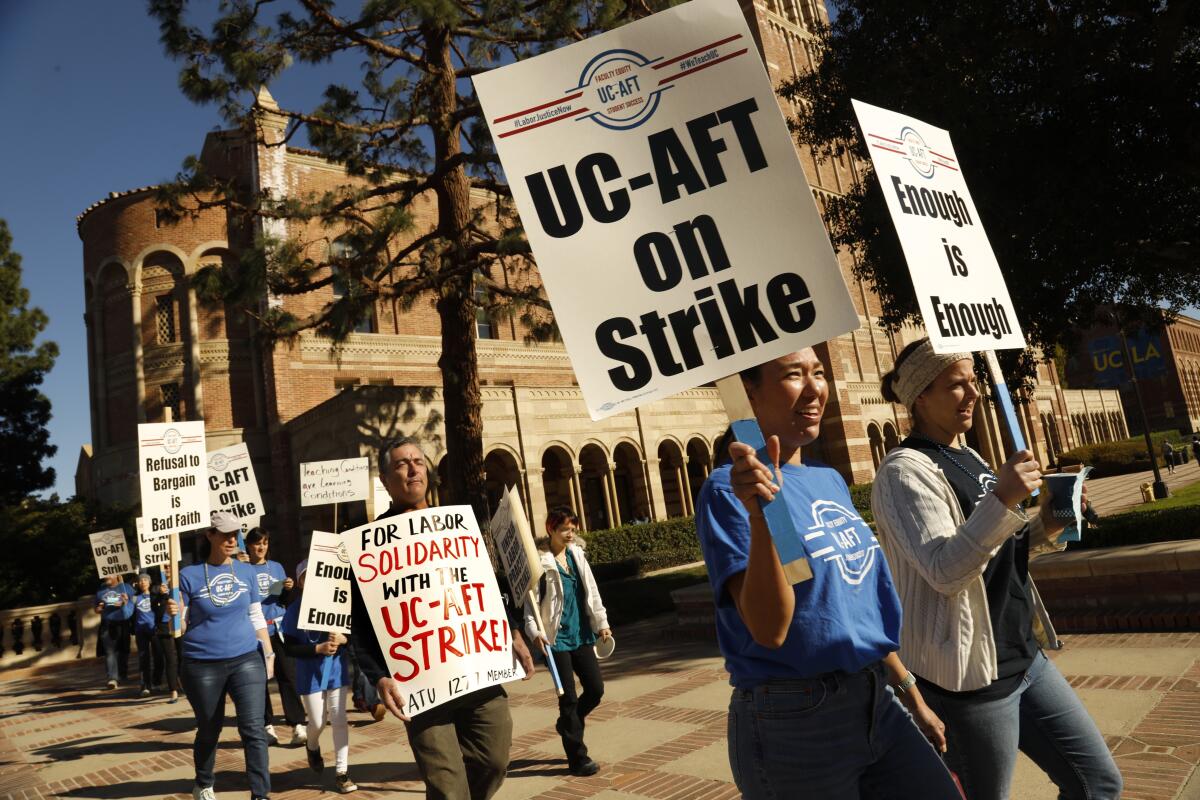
(412, 126)
(24, 410)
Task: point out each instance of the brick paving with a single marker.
(660, 732)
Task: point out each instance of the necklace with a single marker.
(207, 585)
(950, 456)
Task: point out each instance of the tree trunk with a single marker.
(455, 304)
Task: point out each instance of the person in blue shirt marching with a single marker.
(276, 588)
(113, 600)
(226, 651)
(143, 631)
(323, 679)
(814, 668)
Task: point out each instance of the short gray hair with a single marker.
(385, 452)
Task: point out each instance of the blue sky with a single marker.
(91, 105)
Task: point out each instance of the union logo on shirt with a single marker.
(264, 583)
(840, 535)
(223, 589)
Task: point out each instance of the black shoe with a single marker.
(315, 762)
(585, 768)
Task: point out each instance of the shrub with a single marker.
(633, 549)
(860, 493)
(1120, 458)
(1142, 527)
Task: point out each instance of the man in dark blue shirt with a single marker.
(111, 601)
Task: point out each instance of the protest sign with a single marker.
(433, 603)
(705, 252)
(380, 499)
(961, 291)
(232, 486)
(153, 551)
(172, 471)
(515, 544)
(341, 480)
(325, 604)
(110, 552)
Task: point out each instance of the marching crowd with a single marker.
(908, 662)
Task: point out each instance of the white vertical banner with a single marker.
(325, 603)
(173, 472)
(659, 186)
(111, 553)
(232, 486)
(963, 298)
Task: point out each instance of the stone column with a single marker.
(139, 370)
(685, 494)
(194, 355)
(654, 485)
(610, 480)
(577, 498)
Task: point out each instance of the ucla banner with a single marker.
(1107, 359)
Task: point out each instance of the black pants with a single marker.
(148, 656)
(572, 709)
(285, 679)
(167, 664)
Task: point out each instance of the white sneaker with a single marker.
(203, 793)
(299, 735)
(271, 737)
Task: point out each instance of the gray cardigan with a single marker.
(937, 559)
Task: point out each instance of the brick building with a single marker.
(153, 345)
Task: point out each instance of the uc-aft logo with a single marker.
(619, 88)
(912, 148)
(838, 535)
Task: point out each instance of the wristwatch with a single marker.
(903, 686)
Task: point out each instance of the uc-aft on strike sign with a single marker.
(110, 552)
(961, 291)
(173, 476)
(661, 193)
(232, 486)
(434, 604)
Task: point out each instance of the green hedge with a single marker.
(1120, 458)
(633, 549)
(1142, 527)
(860, 493)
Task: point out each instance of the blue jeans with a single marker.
(1045, 720)
(244, 678)
(114, 638)
(836, 737)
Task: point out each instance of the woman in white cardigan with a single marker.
(574, 615)
(974, 632)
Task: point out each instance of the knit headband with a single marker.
(918, 370)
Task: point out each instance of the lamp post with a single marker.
(1160, 486)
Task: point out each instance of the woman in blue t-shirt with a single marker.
(276, 588)
(224, 642)
(113, 600)
(813, 665)
(143, 631)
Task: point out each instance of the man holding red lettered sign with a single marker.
(438, 645)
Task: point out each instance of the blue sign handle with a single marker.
(788, 542)
(553, 671)
(177, 619)
(1008, 413)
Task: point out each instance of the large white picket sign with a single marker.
(111, 553)
(672, 223)
(232, 486)
(325, 604)
(173, 472)
(340, 480)
(961, 291)
(433, 603)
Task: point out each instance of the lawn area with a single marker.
(1187, 496)
(639, 598)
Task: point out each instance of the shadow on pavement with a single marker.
(82, 748)
(550, 768)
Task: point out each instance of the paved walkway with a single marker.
(660, 732)
(1123, 492)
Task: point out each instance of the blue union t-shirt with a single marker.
(144, 622)
(314, 673)
(218, 624)
(846, 617)
(269, 573)
(110, 596)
